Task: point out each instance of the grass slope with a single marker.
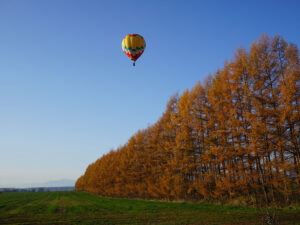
(84, 208)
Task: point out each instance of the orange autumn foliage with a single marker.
(235, 135)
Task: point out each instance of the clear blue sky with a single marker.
(68, 94)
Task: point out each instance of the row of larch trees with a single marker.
(236, 135)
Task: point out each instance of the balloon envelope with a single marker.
(133, 46)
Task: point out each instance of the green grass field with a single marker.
(84, 208)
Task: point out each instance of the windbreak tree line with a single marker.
(235, 135)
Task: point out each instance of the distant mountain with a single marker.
(54, 183)
(37, 189)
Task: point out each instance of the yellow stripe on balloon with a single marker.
(133, 42)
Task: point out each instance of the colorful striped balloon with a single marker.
(133, 46)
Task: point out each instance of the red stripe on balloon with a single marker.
(133, 57)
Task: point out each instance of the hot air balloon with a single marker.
(133, 46)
